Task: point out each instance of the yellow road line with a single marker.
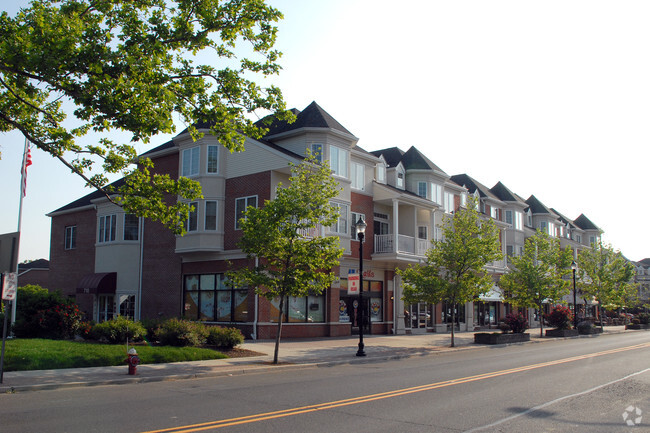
(384, 395)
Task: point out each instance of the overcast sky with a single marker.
(551, 98)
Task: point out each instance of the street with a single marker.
(597, 384)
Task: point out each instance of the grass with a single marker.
(40, 354)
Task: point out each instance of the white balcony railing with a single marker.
(405, 244)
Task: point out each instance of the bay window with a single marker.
(339, 161)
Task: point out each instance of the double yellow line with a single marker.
(384, 395)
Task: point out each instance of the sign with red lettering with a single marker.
(9, 287)
(353, 284)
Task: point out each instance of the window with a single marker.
(592, 240)
(131, 227)
(241, 204)
(339, 161)
(357, 175)
(543, 227)
(422, 232)
(400, 179)
(107, 228)
(190, 162)
(355, 217)
(422, 189)
(127, 306)
(519, 220)
(436, 193)
(463, 199)
(317, 151)
(191, 224)
(494, 213)
(208, 297)
(213, 159)
(579, 239)
(105, 307)
(509, 219)
(71, 237)
(341, 225)
(210, 215)
(510, 250)
(299, 309)
(381, 172)
(449, 202)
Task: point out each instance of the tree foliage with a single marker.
(454, 268)
(538, 274)
(293, 260)
(606, 276)
(71, 67)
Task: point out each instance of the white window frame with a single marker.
(449, 202)
(518, 220)
(400, 179)
(137, 230)
(509, 215)
(422, 189)
(207, 215)
(192, 223)
(191, 160)
(436, 193)
(424, 229)
(107, 232)
(248, 201)
(70, 238)
(317, 151)
(212, 160)
(357, 176)
(341, 225)
(339, 159)
(380, 171)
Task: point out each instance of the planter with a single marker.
(499, 338)
(592, 330)
(640, 326)
(562, 333)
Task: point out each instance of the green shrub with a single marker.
(224, 337)
(43, 314)
(61, 321)
(118, 330)
(644, 318)
(176, 332)
(152, 325)
(517, 322)
(560, 317)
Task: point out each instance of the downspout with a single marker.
(257, 301)
(138, 300)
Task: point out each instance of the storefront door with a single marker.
(352, 313)
(419, 317)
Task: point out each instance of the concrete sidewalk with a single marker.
(293, 354)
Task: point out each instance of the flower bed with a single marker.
(499, 338)
(561, 332)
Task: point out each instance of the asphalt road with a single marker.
(576, 385)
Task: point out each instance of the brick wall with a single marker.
(256, 184)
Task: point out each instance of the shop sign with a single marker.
(353, 284)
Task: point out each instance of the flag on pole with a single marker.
(27, 161)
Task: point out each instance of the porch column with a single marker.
(395, 224)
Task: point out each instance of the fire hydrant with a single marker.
(133, 360)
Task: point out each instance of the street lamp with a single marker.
(574, 266)
(360, 228)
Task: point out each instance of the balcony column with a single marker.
(415, 230)
(395, 224)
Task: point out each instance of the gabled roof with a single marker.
(311, 117)
(413, 159)
(585, 223)
(35, 264)
(473, 186)
(645, 261)
(536, 206)
(392, 155)
(156, 149)
(88, 198)
(504, 194)
(564, 219)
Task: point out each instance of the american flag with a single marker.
(27, 161)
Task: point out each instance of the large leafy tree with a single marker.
(454, 268)
(538, 275)
(606, 276)
(71, 67)
(283, 235)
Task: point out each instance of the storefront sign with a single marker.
(353, 284)
(9, 286)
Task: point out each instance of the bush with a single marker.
(118, 330)
(33, 300)
(636, 321)
(560, 317)
(176, 332)
(517, 323)
(644, 318)
(60, 321)
(224, 337)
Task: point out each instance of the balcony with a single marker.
(384, 244)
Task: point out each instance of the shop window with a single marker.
(299, 309)
(208, 297)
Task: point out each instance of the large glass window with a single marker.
(107, 228)
(190, 165)
(70, 237)
(191, 224)
(131, 227)
(105, 307)
(339, 161)
(241, 204)
(210, 215)
(301, 309)
(213, 159)
(357, 176)
(208, 297)
(127, 306)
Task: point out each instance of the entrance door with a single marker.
(419, 317)
(354, 311)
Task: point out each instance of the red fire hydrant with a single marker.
(133, 360)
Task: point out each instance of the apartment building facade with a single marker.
(115, 263)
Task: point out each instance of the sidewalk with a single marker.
(293, 354)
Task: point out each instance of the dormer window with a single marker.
(400, 180)
(380, 172)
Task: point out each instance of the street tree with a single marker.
(606, 276)
(454, 267)
(131, 68)
(537, 275)
(284, 238)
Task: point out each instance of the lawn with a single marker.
(40, 354)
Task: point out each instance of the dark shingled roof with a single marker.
(537, 206)
(585, 223)
(311, 117)
(163, 146)
(564, 219)
(472, 186)
(392, 155)
(413, 159)
(504, 194)
(35, 264)
(86, 200)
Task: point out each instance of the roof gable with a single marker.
(311, 117)
(536, 206)
(585, 223)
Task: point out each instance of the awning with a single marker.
(96, 284)
(494, 295)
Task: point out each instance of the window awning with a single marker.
(99, 283)
(494, 295)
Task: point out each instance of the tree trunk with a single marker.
(541, 320)
(277, 337)
(453, 323)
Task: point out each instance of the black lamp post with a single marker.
(360, 227)
(574, 266)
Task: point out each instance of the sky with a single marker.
(552, 98)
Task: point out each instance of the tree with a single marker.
(538, 274)
(134, 66)
(453, 270)
(292, 259)
(606, 276)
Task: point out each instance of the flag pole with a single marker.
(27, 161)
